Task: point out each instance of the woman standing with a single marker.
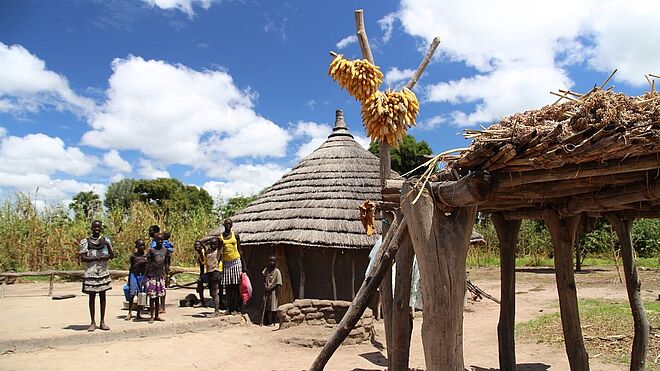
(232, 266)
(95, 251)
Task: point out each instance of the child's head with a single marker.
(153, 230)
(271, 262)
(96, 227)
(139, 245)
(198, 245)
(158, 237)
(166, 235)
(213, 243)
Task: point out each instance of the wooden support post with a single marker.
(623, 228)
(301, 275)
(507, 233)
(2, 288)
(440, 242)
(381, 267)
(50, 284)
(562, 231)
(352, 279)
(334, 281)
(401, 314)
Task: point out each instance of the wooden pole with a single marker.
(380, 269)
(301, 275)
(440, 241)
(334, 281)
(50, 285)
(425, 62)
(507, 233)
(562, 232)
(352, 279)
(623, 228)
(385, 171)
(401, 312)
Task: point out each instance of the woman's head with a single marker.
(96, 227)
(228, 224)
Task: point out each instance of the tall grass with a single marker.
(32, 239)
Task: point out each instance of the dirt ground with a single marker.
(27, 314)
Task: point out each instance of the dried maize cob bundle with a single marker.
(359, 77)
(387, 116)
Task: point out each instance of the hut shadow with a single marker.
(377, 358)
(76, 327)
(519, 366)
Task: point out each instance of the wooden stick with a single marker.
(562, 96)
(362, 36)
(371, 282)
(50, 285)
(334, 281)
(609, 78)
(425, 62)
(402, 321)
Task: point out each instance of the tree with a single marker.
(121, 194)
(170, 194)
(85, 204)
(408, 156)
(232, 205)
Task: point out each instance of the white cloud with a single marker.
(201, 117)
(185, 6)
(26, 85)
(387, 26)
(39, 153)
(314, 134)
(346, 41)
(498, 93)
(113, 159)
(362, 140)
(147, 170)
(395, 75)
(245, 179)
(526, 47)
(3, 132)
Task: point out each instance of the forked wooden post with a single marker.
(401, 315)
(562, 232)
(623, 228)
(507, 233)
(440, 242)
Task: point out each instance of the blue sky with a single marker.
(229, 95)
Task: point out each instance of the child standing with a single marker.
(272, 284)
(136, 276)
(155, 281)
(95, 251)
(213, 273)
(203, 278)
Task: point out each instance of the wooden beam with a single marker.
(401, 311)
(440, 241)
(382, 266)
(623, 227)
(362, 36)
(469, 190)
(507, 233)
(425, 62)
(562, 232)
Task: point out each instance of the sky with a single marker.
(229, 95)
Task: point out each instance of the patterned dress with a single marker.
(97, 276)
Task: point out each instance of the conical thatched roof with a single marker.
(316, 203)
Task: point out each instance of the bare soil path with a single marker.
(27, 313)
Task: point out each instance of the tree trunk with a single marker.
(440, 242)
(623, 228)
(507, 233)
(562, 231)
(401, 315)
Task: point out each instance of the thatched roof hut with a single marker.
(310, 220)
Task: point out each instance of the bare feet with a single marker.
(159, 319)
(151, 320)
(104, 327)
(128, 316)
(92, 327)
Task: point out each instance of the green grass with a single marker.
(599, 319)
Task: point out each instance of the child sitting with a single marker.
(137, 271)
(272, 284)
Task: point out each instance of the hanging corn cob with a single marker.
(359, 77)
(388, 115)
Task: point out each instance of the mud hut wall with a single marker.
(317, 266)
